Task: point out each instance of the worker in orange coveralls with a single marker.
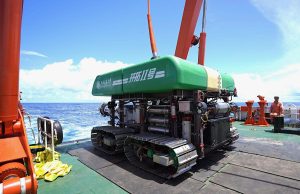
(276, 108)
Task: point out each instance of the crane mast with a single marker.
(16, 166)
(186, 35)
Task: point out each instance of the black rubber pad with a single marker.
(275, 166)
(224, 171)
(214, 188)
(135, 180)
(251, 181)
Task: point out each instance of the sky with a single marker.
(65, 44)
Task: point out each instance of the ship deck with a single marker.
(259, 162)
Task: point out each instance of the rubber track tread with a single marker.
(118, 133)
(188, 157)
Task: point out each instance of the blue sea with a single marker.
(77, 119)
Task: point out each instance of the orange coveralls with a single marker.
(276, 108)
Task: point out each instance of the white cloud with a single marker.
(282, 82)
(64, 81)
(286, 16)
(68, 82)
(33, 53)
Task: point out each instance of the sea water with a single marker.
(77, 119)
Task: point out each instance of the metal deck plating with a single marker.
(259, 162)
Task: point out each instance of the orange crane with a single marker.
(16, 166)
(186, 37)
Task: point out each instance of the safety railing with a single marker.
(27, 120)
(291, 111)
(43, 132)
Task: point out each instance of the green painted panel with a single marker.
(108, 84)
(159, 75)
(81, 179)
(265, 133)
(163, 75)
(228, 82)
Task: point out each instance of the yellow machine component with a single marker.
(50, 169)
(214, 82)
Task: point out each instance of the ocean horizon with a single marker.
(76, 118)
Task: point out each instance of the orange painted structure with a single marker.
(188, 24)
(250, 119)
(262, 119)
(151, 33)
(186, 36)
(202, 39)
(16, 166)
(202, 44)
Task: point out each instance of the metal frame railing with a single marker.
(44, 133)
(28, 125)
(289, 109)
(288, 114)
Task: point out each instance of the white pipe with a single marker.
(52, 138)
(45, 134)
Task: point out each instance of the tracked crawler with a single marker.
(164, 114)
(110, 139)
(167, 112)
(159, 154)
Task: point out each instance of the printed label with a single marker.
(139, 76)
(103, 84)
(146, 74)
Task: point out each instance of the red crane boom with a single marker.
(187, 28)
(16, 166)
